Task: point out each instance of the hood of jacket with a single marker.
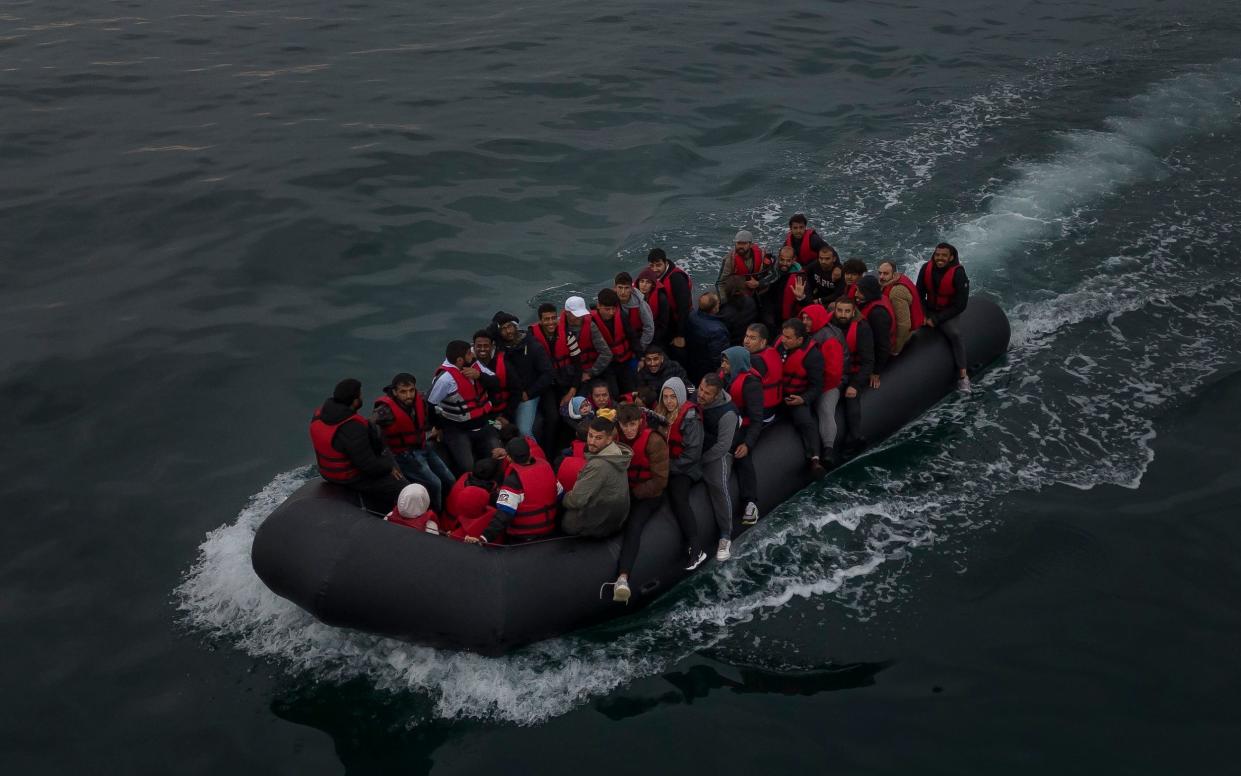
(738, 360)
(614, 455)
(818, 316)
(720, 398)
(678, 388)
(333, 412)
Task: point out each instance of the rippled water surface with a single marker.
(211, 211)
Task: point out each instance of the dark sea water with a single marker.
(211, 211)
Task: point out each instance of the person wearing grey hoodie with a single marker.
(599, 501)
(637, 313)
(719, 424)
(684, 461)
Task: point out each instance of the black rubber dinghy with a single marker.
(322, 551)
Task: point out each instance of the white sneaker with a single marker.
(620, 591)
(433, 527)
(963, 385)
(722, 553)
(750, 517)
(695, 560)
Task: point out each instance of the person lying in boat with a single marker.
(944, 291)
(526, 503)
(648, 476)
(413, 510)
(598, 504)
(745, 387)
(801, 386)
(350, 451)
(860, 360)
(471, 501)
(402, 413)
(684, 461)
(720, 422)
(902, 295)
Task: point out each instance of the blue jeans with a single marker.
(427, 469)
(524, 417)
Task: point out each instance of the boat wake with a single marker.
(1100, 348)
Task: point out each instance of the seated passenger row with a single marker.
(643, 394)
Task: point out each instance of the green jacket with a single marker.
(599, 502)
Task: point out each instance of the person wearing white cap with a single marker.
(582, 343)
(745, 260)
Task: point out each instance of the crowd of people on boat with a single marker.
(588, 420)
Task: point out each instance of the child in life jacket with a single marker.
(413, 510)
(471, 501)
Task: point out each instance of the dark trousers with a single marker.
(747, 477)
(853, 422)
(547, 423)
(640, 512)
(807, 429)
(951, 329)
(465, 445)
(379, 494)
(678, 495)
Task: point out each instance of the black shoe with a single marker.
(828, 459)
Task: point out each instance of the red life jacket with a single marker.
(537, 513)
(805, 254)
(465, 501)
(500, 399)
(796, 380)
(676, 434)
(939, 298)
(536, 449)
(473, 396)
(916, 316)
(408, 430)
(640, 463)
(615, 335)
(736, 389)
(851, 290)
(787, 300)
(833, 363)
(579, 449)
(885, 304)
(773, 381)
(755, 265)
(334, 466)
(418, 523)
(851, 341)
(664, 286)
(570, 467)
(560, 354)
(634, 315)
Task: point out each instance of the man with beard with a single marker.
(859, 361)
(461, 407)
(531, 365)
(349, 449)
(944, 291)
(401, 413)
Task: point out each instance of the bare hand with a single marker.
(874, 381)
(799, 287)
(742, 451)
(929, 322)
(568, 397)
(396, 474)
(794, 400)
(433, 435)
(471, 373)
(525, 396)
(851, 392)
(752, 283)
(473, 540)
(498, 453)
(678, 342)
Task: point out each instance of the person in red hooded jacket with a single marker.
(831, 344)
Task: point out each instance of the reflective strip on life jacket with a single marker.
(536, 515)
(471, 402)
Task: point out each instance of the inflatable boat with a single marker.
(325, 553)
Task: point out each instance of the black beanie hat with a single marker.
(868, 287)
(518, 449)
(501, 318)
(347, 390)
